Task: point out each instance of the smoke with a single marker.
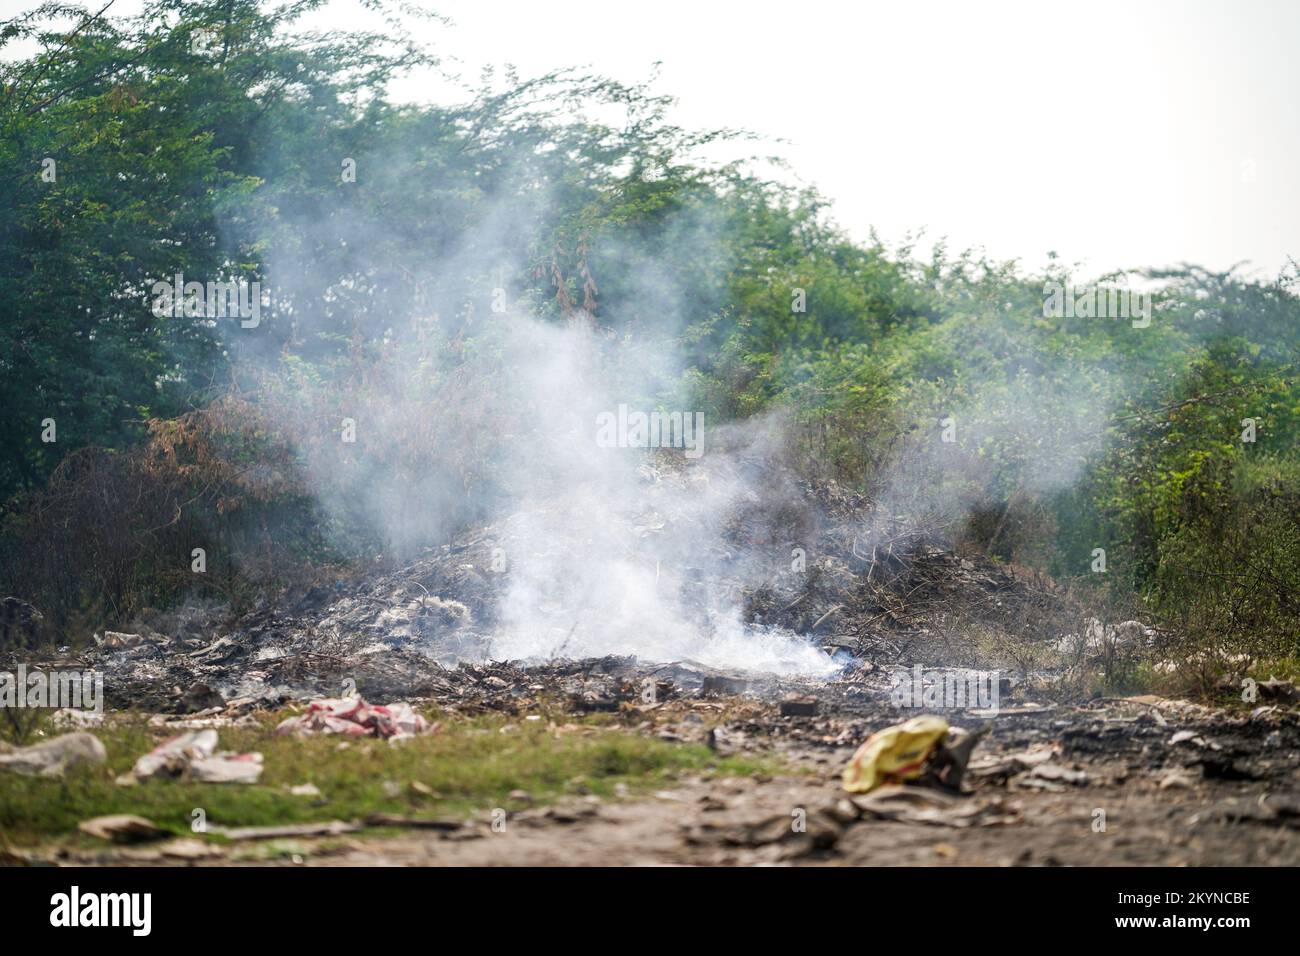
(606, 549)
(461, 403)
(618, 551)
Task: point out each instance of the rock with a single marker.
(1283, 807)
(121, 828)
(999, 768)
(892, 800)
(843, 811)
(911, 804)
(53, 757)
(813, 831)
(724, 741)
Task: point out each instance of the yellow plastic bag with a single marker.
(894, 754)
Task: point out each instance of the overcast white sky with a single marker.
(1115, 133)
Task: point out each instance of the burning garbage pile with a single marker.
(457, 623)
(773, 596)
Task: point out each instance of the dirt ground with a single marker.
(712, 825)
(1166, 804)
(1132, 781)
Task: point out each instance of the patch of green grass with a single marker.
(470, 764)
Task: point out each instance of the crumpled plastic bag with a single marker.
(895, 754)
(228, 768)
(194, 754)
(174, 756)
(356, 718)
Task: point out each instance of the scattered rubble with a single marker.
(200, 698)
(934, 808)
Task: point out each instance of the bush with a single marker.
(114, 532)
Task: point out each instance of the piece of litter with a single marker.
(52, 757)
(894, 754)
(194, 754)
(174, 755)
(356, 718)
(122, 828)
(227, 768)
